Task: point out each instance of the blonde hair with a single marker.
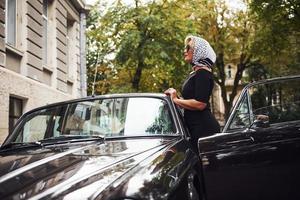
(188, 39)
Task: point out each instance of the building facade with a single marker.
(42, 55)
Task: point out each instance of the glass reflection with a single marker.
(103, 117)
(279, 102)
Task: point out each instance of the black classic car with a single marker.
(136, 146)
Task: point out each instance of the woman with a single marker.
(197, 89)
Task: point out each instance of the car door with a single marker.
(257, 155)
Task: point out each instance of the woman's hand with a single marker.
(172, 92)
(190, 104)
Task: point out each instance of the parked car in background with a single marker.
(137, 146)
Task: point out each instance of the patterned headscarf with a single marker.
(203, 54)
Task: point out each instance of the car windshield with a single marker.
(113, 117)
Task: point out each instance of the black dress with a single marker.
(199, 86)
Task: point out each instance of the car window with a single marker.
(41, 124)
(241, 117)
(279, 101)
(106, 117)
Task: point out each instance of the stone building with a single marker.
(42, 55)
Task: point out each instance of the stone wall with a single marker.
(33, 94)
(2, 33)
(30, 73)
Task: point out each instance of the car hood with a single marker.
(76, 170)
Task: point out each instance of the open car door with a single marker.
(257, 154)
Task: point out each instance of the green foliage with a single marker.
(278, 35)
(138, 47)
(145, 42)
(231, 34)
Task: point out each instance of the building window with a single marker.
(11, 25)
(228, 96)
(15, 111)
(229, 73)
(45, 31)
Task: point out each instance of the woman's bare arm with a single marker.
(190, 104)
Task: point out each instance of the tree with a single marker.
(278, 35)
(154, 33)
(145, 41)
(137, 47)
(231, 34)
(100, 72)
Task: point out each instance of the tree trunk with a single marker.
(221, 81)
(227, 104)
(137, 76)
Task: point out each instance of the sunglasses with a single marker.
(187, 48)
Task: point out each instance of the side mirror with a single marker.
(261, 121)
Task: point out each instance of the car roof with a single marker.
(271, 80)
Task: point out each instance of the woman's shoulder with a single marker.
(203, 72)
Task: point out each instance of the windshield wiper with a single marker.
(70, 138)
(22, 144)
(53, 141)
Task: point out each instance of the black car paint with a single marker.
(141, 167)
(97, 169)
(256, 163)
